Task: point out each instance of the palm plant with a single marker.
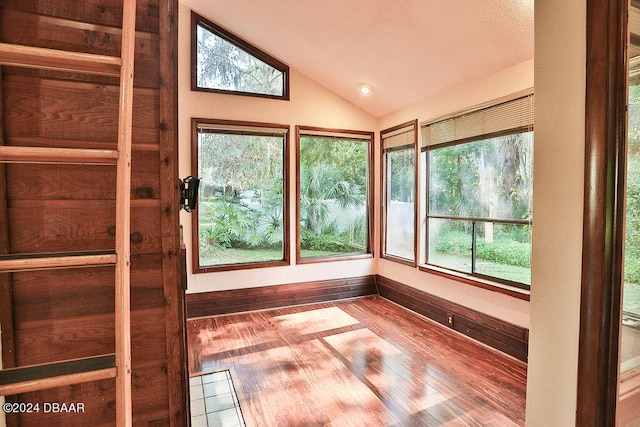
(320, 184)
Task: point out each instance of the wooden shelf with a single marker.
(37, 57)
(38, 377)
(12, 154)
(29, 262)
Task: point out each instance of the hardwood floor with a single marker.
(363, 362)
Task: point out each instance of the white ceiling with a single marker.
(406, 50)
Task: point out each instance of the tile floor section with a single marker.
(214, 402)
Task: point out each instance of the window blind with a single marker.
(506, 117)
(338, 134)
(238, 129)
(399, 137)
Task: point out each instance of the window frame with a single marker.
(516, 289)
(384, 187)
(242, 127)
(302, 131)
(198, 20)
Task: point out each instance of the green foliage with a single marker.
(632, 243)
(228, 223)
(632, 249)
(320, 184)
(333, 191)
(222, 65)
(327, 242)
(222, 222)
(401, 175)
(505, 249)
(490, 178)
(454, 243)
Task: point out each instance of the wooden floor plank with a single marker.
(361, 362)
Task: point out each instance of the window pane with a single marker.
(240, 210)
(492, 178)
(504, 251)
(630, 337)
(223, 65)
(450, 244)
(400, 217)
(333, 196)
(627, 413)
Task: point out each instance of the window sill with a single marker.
(399, 260)
(522, 294)
(243, 266)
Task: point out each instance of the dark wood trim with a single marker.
(603, 229)
(242, 44)
(267, 297)
(383, 196)
(286, 236)
(370, 182)
(512, 291)
(175, 321)
(503, 336)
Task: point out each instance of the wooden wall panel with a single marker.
(267, 297)
(63, 34)
(59, 294)
(102, 12)
(57, 109)
(61, 314)
(149, 401)
(74, 338)
(54, 182)
(38, 228)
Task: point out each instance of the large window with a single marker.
(242, 210)
(222, 62)
(480, 191)
(333, 189)
(630, 330)
(399, 192)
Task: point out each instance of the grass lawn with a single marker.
(489, 268)
(235, 256)
(307, 253)
(631, 298)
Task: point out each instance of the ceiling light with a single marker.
(365, 89)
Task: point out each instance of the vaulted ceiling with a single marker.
(406, 50)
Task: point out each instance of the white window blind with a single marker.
(239, 129)
(339, 134)
(399, 137)
(507, 117)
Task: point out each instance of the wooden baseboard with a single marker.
(496, 333)
(265, 297)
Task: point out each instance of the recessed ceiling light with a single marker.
(365, 89)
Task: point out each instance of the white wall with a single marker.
(560, 51)
(310, 105)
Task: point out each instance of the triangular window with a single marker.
(222, 62)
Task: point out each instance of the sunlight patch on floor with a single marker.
(314, 321)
